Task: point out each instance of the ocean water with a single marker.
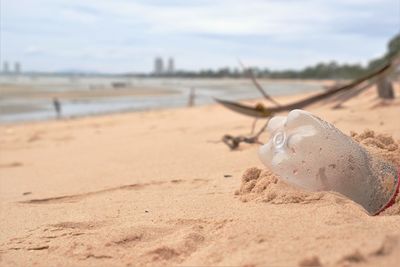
(32, 99)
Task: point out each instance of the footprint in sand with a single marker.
(389, 245)
(11, 164)
(44, 237)
(35, 137)
(78, 197)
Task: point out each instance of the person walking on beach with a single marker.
(192, 97)
(57, 107)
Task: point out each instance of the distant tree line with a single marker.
(330, 70)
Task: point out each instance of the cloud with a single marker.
(33, 51)
(125, 35)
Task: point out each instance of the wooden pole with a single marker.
(192, 97)
(385, 88)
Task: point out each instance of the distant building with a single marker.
(171, 65)
(17, 68)
(6, 67)
(158, 66)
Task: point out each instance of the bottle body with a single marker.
(310, 153)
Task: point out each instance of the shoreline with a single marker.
(285, 98)
(22, 104)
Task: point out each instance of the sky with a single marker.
(126, 35)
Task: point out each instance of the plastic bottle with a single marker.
(310, 153)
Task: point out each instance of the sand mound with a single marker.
(379, 144)
(385, 147)
(264, 186)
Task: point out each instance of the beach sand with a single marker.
(157, 188)
(30, 92)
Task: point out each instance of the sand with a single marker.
(158, 189)
(31, 92)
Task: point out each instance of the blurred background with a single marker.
(76, 58)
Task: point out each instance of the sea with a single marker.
(26, 98)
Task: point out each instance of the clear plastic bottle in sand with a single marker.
(310, 153)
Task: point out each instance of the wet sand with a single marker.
(95, 92)
(24, 99)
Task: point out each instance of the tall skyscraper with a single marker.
(171, 65)
(17, 68)
(158, 66)
(6, 67)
